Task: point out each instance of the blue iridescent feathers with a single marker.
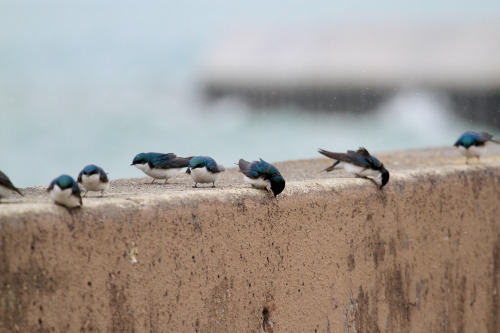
(472, 144)
(93, 178)
(469, 139)
(359, 163)
(262, 174)
(204, 169)
(65, 191)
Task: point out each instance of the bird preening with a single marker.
(359, 163)
(261, 174)
(472, 144)
(65, 191)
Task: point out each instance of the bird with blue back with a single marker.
(261, 174)
(204, 169)
(7, 189)
(64, 191)
(359, 163)
(160, 166)
(93, 178)
(472, 144)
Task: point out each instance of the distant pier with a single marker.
(357, 67)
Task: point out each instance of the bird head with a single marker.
(277, 184)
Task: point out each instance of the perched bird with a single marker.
(359, 163)
(160, 166)
(65, 192)
(262, 175)
(6, 186)
(93, 178)
(204, 169)
(472, 144)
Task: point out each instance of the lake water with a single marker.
(97, 82)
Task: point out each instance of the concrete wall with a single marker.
(332, 254)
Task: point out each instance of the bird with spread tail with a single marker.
(261, 174)
(93, 178)
(160, 166)
(204, 169)
(6, 186)
(359, 163)
(64, 191)
(472, 144)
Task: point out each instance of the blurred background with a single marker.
(100, 81)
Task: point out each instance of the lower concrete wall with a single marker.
(421, 256)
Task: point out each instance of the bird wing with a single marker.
(212, 166)
(51, 186)
(485, 136)
(340, 157)
(179, 162)
(488, 137)
(355, 157)
(253, 169)
(245, 167)
(75, 190)
(169, 161)
(5, 181)
(103, 176)
(336, 156)
(361, 157)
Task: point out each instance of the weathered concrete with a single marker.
(332, 254)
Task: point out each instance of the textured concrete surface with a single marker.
(331, 254)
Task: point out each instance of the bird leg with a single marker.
(213, 184)
(166, 180)
(195, 185)
(85, 194)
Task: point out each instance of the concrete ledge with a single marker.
(333, 253)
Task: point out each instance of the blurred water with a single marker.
(93, 82)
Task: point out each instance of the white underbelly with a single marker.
(93, 183)
(259, 182)
(158, 173)
(5, 192)
(64, 197)
(202, 175)
(358, 170)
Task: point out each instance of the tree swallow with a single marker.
(160, 166)
(261, 174)
(93, 178)
(359, 163)
(472, 144)
(204, 169)
(6, 186)
(65, 192)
